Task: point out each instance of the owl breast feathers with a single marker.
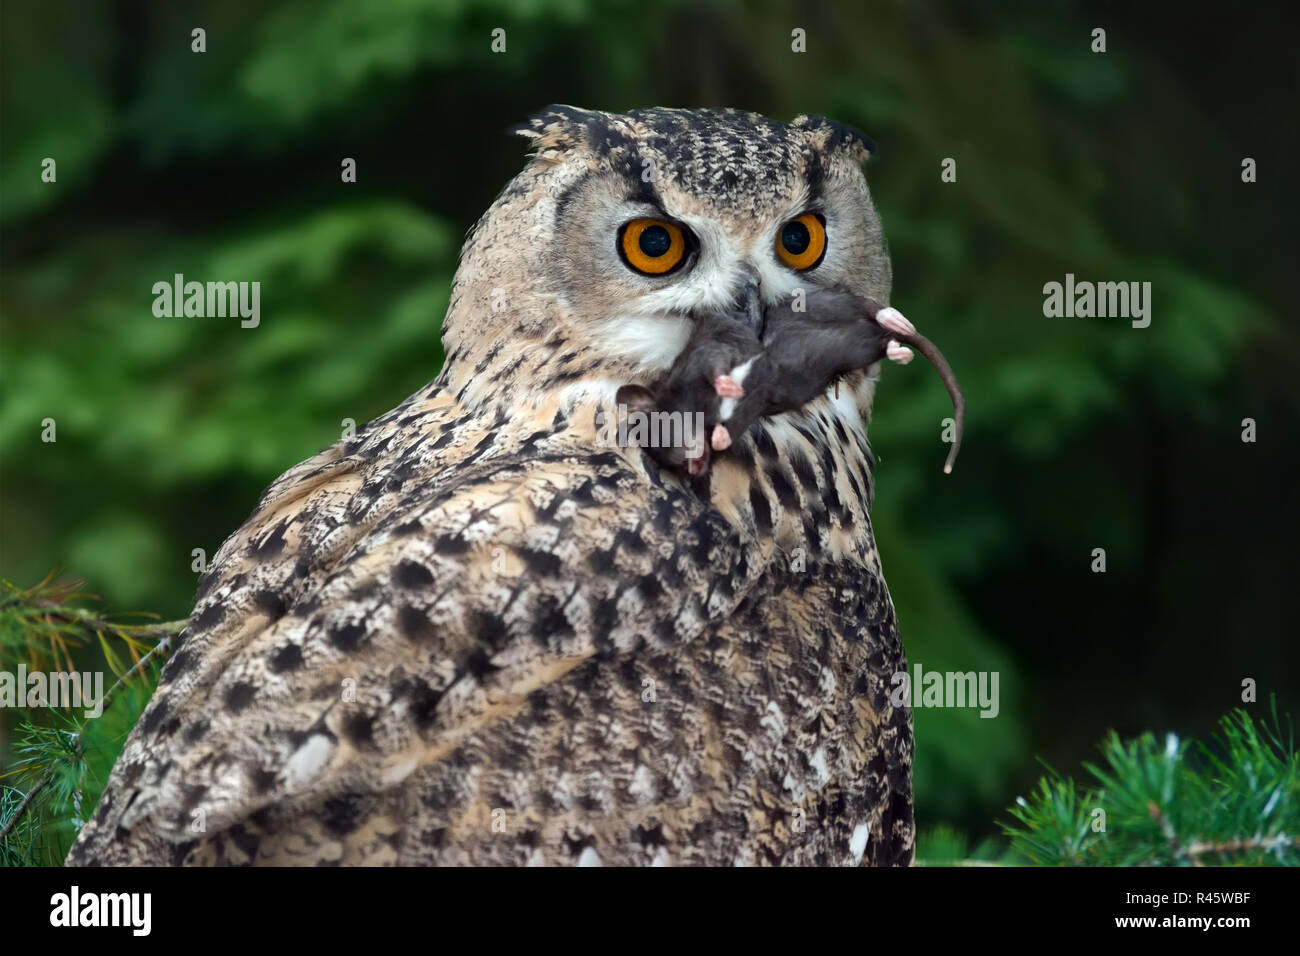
(479, 633)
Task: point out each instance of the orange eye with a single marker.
(652, 246)
(802, 241)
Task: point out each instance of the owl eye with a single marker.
(652, 246)
(802, 241)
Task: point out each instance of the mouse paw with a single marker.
(897, 352)
(728, 387)
(721, 438)
(893, 320)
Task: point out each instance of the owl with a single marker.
(478, 633)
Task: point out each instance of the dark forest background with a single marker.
(1083, 433)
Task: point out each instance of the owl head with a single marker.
(587, 271)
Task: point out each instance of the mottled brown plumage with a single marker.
(472, 635)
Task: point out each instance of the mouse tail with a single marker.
(935, 357)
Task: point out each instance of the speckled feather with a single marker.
(472, 635)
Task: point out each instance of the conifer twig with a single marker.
(1232, 799)
(1240, 846)
(163, 645)
(22, 807)
(46, 605)
(139, 665)
(91, 621)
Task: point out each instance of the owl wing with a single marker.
(397, 593)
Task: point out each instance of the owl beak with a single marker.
(749, 302)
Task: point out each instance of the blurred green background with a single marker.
(1083, 433)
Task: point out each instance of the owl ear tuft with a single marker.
(830, 136)
(559, 127)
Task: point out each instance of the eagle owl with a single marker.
(475, 633)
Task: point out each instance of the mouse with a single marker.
(735, 370)
(722, 344)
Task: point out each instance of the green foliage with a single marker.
(58, 759)
(62, 768)
(944, 845)
(1232, 801)
(42, 626)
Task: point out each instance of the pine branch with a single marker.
(27, 800)
(38, 624)
(1268, 844)
(1232, 800)
(41, 626)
